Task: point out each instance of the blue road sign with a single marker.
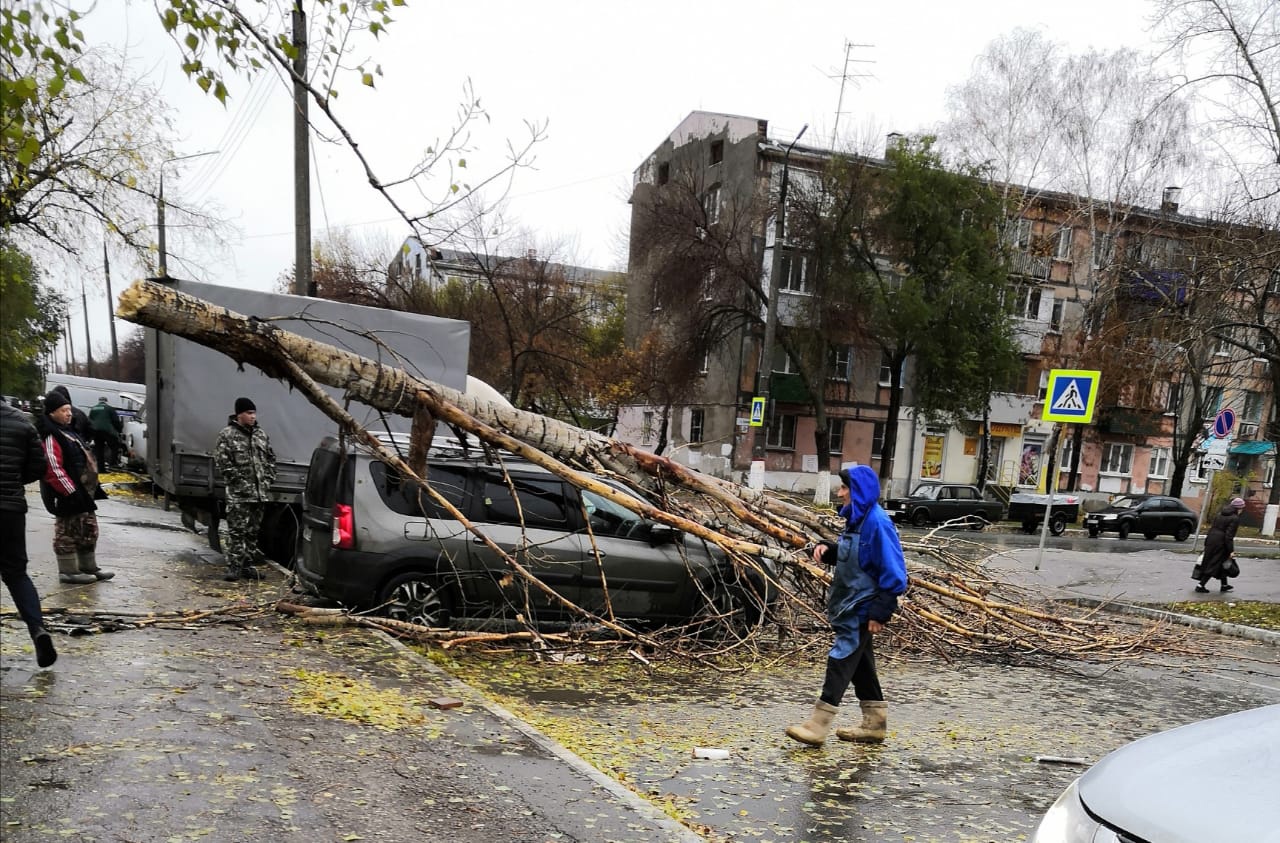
(1224, 422)
(757, 411)
(1071, 396)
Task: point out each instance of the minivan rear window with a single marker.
(408, 499)
(322, 477)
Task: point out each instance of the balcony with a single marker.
(1153, 285)
(1029, 266)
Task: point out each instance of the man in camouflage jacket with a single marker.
(244, 458)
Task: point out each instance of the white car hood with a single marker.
(1213, 781)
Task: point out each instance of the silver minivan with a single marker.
(374, 542)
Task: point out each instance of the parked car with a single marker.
(1028, 508)
(939, 503)
(1148, 515)
(1211, 781)
(372, 541)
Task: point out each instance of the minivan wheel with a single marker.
(1182, 533)
(417, 598)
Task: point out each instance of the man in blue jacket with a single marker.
(869, 574)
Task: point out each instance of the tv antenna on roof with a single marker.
(845, 77)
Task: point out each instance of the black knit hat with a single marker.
(245, 405)
(54, 400)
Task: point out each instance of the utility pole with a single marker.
(88, 344)
(765, 368)
(303, 285)
(71, 347)
(111, 313)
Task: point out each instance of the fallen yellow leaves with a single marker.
(354, 701)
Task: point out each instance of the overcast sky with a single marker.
(609, 81)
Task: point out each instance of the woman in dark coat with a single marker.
(1220, 545)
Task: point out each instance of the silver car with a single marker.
(1215, 781)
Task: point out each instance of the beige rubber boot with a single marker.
(69, 570)
(875, 720)
(814, 731)
(88, 561)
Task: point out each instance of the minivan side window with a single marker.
(408, 499)
(542, 503)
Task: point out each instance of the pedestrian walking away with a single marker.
(107, 427)
(70, 491)
(22, 461)
(1219, 558)
(868, 576)
(244, 458)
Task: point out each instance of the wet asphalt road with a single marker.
(206, 733)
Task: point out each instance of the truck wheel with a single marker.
(1058, 524)
(417, 598)
(1123, 531)
(920, 517)
(1182, 533)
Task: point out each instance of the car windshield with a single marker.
(1126, 503)
(926, 490)
(607, 517)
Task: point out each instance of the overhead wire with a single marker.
(233, 138)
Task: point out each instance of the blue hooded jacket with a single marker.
(870, 571)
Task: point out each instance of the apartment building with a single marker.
(1078, 268)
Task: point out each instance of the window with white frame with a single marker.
(1273, 283)
(1224, 348)
(1068, 445)
(1269, 473)
(1102, 246)
(711, 204)
(835, 436)
(877, 439)
(697, 420)
(646, 427)
(1027, 301)
(1055, 316)
(1199, 471)
(1159, 463)
(1252, 411)
(839, 361)
(1044, 386)
(794, 271)
(782, 362)
(782, 433)
(706, 363)
(1020, 234)
(1062, 247)
(886, 369)
(1116, 458)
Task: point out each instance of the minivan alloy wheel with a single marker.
(418, 598)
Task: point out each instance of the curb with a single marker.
(1233, 630)
(637, 803)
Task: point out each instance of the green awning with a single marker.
(1253, 448)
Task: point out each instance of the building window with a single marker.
(711, 204)
(1159, 463)
(794, 271)
(886, 369)
(1055, 317)
(1212, 400)
(1102, 246)
(664, 173)
(877, 440)
(709, 284)
(1199, 472)
(1068, 445)
(835, 436)
(697, 418)
(1269, 473)
(646, 427)
(840, 359)
(782, 433)
(1027, 302)
(706, 363)
(1252, 411)
(1224, 348)
(1173, 397)
(1062, 248)
(717, 151)
(1116, 458)
(1044, 386)
(1273, 284)
(782, 363)
(1020, 234)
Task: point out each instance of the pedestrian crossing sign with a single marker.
(1071, 395)
(757, 411)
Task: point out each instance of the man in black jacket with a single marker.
(21, 461)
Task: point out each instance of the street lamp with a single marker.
(775, 284)
(164, 263)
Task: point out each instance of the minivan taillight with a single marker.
(343, 529)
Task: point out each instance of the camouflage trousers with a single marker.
(75, 534)
(240, 541)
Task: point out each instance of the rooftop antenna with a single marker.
(845, 77)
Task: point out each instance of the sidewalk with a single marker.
(211, 732)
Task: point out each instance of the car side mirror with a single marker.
(660, 534)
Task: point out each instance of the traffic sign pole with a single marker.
(1208, 495)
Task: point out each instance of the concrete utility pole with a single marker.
(88, 344)
(765, 369)
(111, 313)
(71, 347)
(303, 285)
